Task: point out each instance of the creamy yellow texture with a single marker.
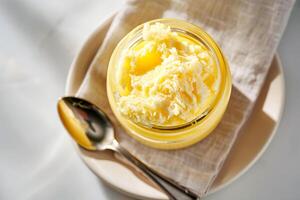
(167, 78)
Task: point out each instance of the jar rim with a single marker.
(205, 39)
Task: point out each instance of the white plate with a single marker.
(250, 145)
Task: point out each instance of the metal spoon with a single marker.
(93, 130)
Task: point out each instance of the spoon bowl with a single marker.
(87, 124)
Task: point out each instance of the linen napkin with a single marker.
(248, 32)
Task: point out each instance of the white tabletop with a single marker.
(39, 39)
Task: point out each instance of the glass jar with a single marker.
(183, 135)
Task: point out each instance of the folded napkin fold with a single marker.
(248, 32)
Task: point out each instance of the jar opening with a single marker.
(189, 36)
(194, 34)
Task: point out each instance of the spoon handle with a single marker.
(172, 189)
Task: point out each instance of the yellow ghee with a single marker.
(166, 79)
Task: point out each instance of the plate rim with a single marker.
(68, 89)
